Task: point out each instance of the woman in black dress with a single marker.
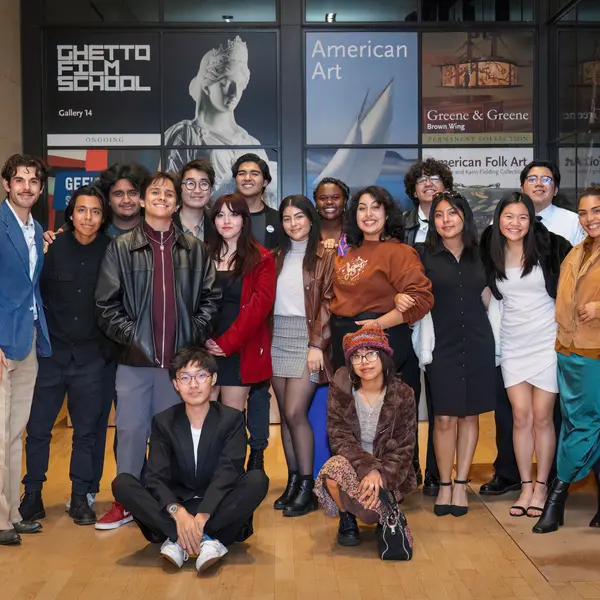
(461, 373)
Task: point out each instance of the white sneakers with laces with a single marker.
(173, 552)
(211, 551)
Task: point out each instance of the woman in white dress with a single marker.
(522, 259)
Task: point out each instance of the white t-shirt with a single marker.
(562, 222)
(196, 440)
(423, 227)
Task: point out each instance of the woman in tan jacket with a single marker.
(371, 429)
(301, 350)
(578, 347)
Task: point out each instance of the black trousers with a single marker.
(505, 464)
(431, 464)
(258, 415)
(87, 404)
(224, 525)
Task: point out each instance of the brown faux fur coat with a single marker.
(394, 438)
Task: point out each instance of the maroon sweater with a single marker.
(163, 294)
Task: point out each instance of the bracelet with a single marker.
(314, 347)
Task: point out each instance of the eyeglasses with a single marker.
(544, 179)
(191, 184)
(186, 378)
(371, 356)
(432, 179)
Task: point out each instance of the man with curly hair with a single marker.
(423, 181)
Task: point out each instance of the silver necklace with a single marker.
(161, 245)
(371, 407)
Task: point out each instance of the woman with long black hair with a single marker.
(246, 273)
(462, 370)
(301, 348)
(522, 260)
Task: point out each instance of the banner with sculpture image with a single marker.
(220, 89)
(477, 88)
(483, 175)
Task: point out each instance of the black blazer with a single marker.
(552, 250)
(274, 229)
(170, 475)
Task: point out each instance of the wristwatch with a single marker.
(172, 509)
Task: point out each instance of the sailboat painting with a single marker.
(357, 165)
(389, 173)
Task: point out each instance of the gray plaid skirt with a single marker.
(289, 349)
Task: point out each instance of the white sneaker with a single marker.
(211, 551)
(91, 499)
(173, 552)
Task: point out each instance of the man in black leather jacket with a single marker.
(423, 181)
(156, 293)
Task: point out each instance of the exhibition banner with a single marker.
(477, 88)
(361, 88)
(102, 89)
(483, 175)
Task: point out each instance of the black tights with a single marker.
(294, 397)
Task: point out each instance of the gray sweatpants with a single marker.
(142, 392)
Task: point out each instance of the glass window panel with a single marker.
(101, 11)
(589, 10)
(361, 167)
(477, 10)
(361, 11)
(579, 167)
(70, 169)
(220, 11)
(222, 160)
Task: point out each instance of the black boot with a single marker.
(348, 534)
(290, 491)
(553, 515)
(304, 501)
(32, 507)
(595, 522)
(80, 510)
(256, 460)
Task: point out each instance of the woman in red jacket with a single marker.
(246, 273)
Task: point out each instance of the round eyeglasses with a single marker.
(544, 179)
(371, 356)
(191, 184)
(186, 378)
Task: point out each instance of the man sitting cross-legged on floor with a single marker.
(194, 496)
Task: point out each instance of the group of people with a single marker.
(184, 310)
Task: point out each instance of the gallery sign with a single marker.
(474, 89)
(361, 88)
(483, 175)
(102, 89)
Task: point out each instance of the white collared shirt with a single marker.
(28, 230)
(423, 227)
(562, 222)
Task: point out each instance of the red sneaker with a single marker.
(116, 516)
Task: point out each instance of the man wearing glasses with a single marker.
(197, 181)
(194, 496)
(540, 180)
(423, 181)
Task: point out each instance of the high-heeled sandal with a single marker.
(441, 510)
(522, 510)
(540, 508)
(459, 511)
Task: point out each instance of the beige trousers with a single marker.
(16, 395)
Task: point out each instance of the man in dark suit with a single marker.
(194, 496)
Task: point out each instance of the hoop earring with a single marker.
(353, 381)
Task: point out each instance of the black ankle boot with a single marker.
(553, 515)
(304, 501)
(256, 461)
(80, 510)
(595, 522)
(348, 534)
(290, 491)
(32, 506)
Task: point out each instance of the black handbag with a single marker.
(394, 540)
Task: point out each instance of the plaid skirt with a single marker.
(289, 348)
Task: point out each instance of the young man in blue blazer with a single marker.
(23, 330)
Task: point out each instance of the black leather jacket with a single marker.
(411, 226)
(124, 295)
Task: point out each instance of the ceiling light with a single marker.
(330, 17)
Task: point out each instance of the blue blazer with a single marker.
(17, 290)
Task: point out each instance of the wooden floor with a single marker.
(479, 556)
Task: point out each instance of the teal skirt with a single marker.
(579, 441)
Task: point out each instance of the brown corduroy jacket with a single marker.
(394, 438)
